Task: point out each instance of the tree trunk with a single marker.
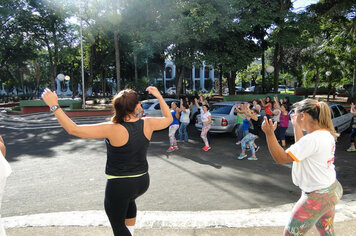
(316, 81)
(353, 92)
(91, 64)
(148, 79)
(38, 77)
(180, 80)
(135, 65)
(220, 81)
(52, 72)
(231, 79)
(276, 62)
(117, 60)
(263, 72)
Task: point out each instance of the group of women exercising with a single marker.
(127, 139)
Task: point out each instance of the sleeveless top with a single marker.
(131, 158)
(175, 120)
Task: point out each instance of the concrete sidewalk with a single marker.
(345, 228)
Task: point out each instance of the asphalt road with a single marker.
(56, 172)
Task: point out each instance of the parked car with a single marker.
(250, 89)
(152, 108)
(340, 117)
(223, 117)
(239, 88)
(172, 90)
(282, 88)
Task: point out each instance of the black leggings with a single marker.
(120, 195)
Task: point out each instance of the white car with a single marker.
(340, 117)
(152, 108)
(172, 90)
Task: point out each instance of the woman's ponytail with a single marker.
(325, 120)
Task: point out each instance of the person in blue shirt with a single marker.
(173, 127)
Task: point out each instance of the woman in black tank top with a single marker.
(127, 138)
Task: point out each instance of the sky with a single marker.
(301, 4)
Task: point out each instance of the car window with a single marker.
(147, 105)
(220, 109)
(342, 110)
(158, 106)
(335, 111)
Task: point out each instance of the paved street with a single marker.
(56, 172)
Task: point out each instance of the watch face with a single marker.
(53, 108)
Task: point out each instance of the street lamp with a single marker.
(81, 54)
(328, 73)
(270, 69)
(67, 78)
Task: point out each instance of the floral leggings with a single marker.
(172, 135)
(250, 139)
(315, 208)
(204, 133)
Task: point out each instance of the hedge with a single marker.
(41, 103)
(250, 97)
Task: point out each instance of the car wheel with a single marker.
(193, 118)
(234, 132)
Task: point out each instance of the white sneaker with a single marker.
(351, 149)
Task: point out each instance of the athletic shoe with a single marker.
(252, 158)
(180, 141)
(207, 148)
(238, 143)
(170, 149)
(240, 157)
(257, 148)
(351, 149)
(175, 147)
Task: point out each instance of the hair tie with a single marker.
(317, 104)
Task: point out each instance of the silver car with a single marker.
(152, 108)
(340, 117)
(223, 118)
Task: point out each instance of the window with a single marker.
(335, 111)
(342, 110)
(168, 72)
(220, 109)
(197, 72)
(206, 72)
(147, 105)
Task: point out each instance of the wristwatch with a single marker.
(53, 108)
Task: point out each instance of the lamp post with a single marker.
(67, 78)
(82, 59)
(270, 69)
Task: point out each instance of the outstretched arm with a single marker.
(277, 152)
(2, 146)
(353, 109)
(277, 102)
(196, 103)
(158, 123)
(101, 130)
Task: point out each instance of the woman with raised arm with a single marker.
(267, 106)
(206, 120)
(127, 138)
(283, 122)
(184, 121)
(173, 127)
(313, 166)
(5, 171)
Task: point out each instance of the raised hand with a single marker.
(268, 126)
(49, 97)
(153, 90)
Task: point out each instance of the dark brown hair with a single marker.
(124, 104)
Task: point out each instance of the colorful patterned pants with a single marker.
(172, 135)
(204, 133)
(315, 208)
(250, 139)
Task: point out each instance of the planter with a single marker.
(81, 113)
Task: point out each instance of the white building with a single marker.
(203, 77)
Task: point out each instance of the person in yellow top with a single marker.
(313, 167)
(127, 138)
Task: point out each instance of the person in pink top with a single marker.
(283, 122)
